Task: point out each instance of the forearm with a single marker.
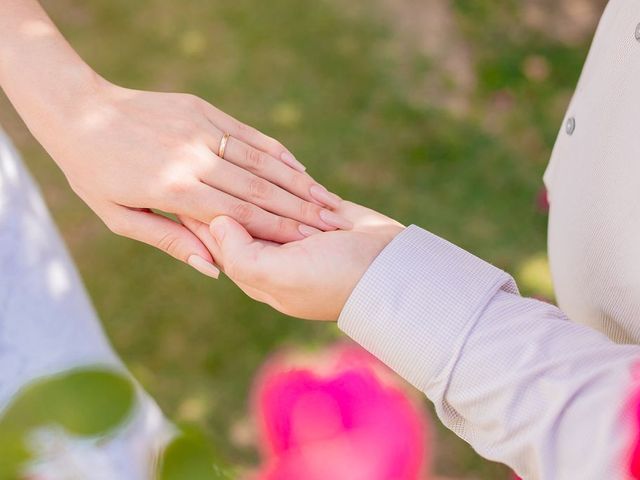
(545, 395)
(512, 376)
(42, 75)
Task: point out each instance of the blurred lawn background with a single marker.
(436, 112)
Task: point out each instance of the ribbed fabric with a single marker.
(512, 376)
(430, 277)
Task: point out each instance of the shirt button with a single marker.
(638, 32)
(571, 125)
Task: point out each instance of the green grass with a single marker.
(327, 85)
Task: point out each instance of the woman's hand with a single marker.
(126, 152)
(311, 278)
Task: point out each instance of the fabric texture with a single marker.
(593, 181)
(513, 376)
(47, 323)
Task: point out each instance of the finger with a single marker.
(166, 235)
(265, 166)
(252, 136)
(234, 249)
(242, 184)
(205, 203)
(238, 251)
(255, 291)
(201, 230)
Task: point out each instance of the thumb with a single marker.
(168, 236)
(233, 242)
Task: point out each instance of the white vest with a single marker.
(593, 180)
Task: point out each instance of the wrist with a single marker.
(77, 88)
(61, 112)
(367, 252)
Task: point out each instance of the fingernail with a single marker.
(322, 195)
(307, 231)
(289, 159)
(204, 267)
(335, 220)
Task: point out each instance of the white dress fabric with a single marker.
(48, 325)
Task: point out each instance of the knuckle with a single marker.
(284, 229)
(255, 159)
(276, 145)
(243, 212)
(242, 128)
(259, 189)
(176, 188)
(283, 225)
(168, 243)
(308, 210)
(273, 144)
(299, 183)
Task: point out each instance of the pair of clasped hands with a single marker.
(243, 203)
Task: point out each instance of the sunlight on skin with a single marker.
(97, 119)
(37, 28)
(127, 158)
(371, 221)
(194, 144)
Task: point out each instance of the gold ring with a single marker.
(223, 145)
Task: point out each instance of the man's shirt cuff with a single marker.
(417, 302)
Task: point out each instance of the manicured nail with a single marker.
(335, 220)
(289, 159)
(204, 267)
(307, 231)
(322, 195)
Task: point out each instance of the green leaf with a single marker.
(87, 402)
(189, 455)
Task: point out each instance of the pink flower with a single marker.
(542, 200)
(633, 406)
(343, 417)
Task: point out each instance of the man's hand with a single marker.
(311, 278)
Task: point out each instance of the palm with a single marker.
(311, 278)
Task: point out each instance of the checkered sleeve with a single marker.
(510, 375)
